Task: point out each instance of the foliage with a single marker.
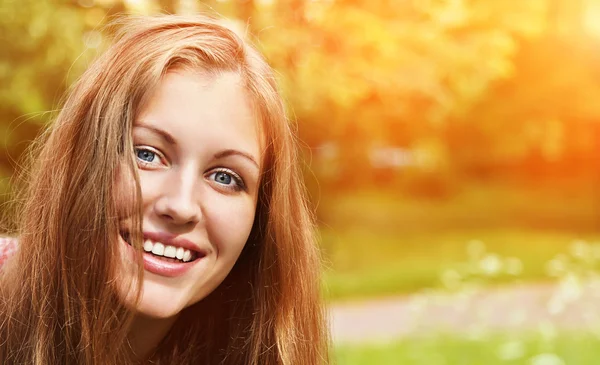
(459, 75)
(46, 47)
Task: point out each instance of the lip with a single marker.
(169, 239)
(160, 267)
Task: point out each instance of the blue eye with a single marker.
(223, 178)
(145, 155)
(228, 179)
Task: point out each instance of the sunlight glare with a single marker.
(591, 16)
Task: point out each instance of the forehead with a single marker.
(214, 110)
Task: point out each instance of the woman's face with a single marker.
(198, 149)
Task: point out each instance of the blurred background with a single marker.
(451, 151)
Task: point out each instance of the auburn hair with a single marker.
(58, 295)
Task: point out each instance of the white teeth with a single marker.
(179, 253)
(148, 246)
(158, 249)
(170, 251)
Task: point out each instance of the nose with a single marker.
(179, 203)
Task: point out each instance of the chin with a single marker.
(153, 309)
(156, 300)
(160, 301)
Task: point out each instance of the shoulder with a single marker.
(8, 246)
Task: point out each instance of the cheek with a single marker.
(150, 186)
(231, 226)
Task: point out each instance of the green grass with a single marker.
(361, 264)
(379, 244)
(511, 348)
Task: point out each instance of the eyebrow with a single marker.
(164, 134)
(227, 153)
(222, 154)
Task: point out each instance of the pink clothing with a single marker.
(8, 246)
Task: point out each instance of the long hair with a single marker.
(59, 295)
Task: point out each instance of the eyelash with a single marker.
(157, 154)
(239, 182)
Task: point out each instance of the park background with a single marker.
(451, 150)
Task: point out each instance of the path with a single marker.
(532, 306)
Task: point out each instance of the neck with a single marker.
(146, 333)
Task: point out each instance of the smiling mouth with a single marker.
(167, 253)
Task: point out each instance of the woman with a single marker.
(165, 219)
